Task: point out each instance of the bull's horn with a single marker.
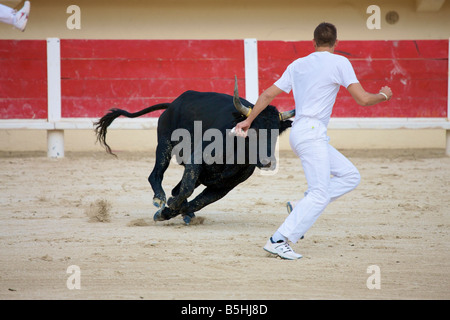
(287, 114)
(237, 102)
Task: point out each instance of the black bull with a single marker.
(215, 111)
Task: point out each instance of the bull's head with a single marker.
(271, 121)
(246, 110)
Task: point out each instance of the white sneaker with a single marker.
(282, 249)
(21, 17)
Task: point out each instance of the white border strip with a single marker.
(152, 123)
(20, 124)
(389, 123)
(120, 123)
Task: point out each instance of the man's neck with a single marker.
(325, 49)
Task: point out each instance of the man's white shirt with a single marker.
(315, 81)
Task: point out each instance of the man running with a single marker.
(315, 81)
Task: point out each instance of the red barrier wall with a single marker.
(416, 71)
(23, 79)
(97, 75)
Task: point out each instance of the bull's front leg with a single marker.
(184, 190)
(163, 156)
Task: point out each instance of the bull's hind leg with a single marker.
(188, 183)
(206, 197)
(187, 209)
(187, 216)
(214, 193)
(163, 156)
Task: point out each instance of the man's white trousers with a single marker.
(6, 14)
(329, 175)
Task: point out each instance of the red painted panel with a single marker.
(417, 72)
(95, 96)
(22, 88)
(404, 49)
(152, 49)
(15, 68)
(401, 69)
(23, 50)
(23, 79)
(133, 74)
(142, 88)
(23, 108)
(148, 69)
(82, 107)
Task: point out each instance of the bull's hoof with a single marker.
(171, 202)
(188, 217)
(158, 216)
(159, 203)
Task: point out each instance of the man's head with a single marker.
(325, 35)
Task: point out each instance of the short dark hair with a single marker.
(325, 35)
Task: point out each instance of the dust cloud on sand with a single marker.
(99, 211)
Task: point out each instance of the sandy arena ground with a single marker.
(397, 219)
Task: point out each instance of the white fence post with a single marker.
(251, 70)
(55, 138)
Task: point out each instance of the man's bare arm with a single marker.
(263, 101)
(364, 98)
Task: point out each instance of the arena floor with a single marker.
(95, 212)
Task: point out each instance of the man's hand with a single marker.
(263, 101)
(242, 128)
(387, 91)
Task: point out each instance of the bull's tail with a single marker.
(101, 126)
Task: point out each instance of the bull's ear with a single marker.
(286, 124)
